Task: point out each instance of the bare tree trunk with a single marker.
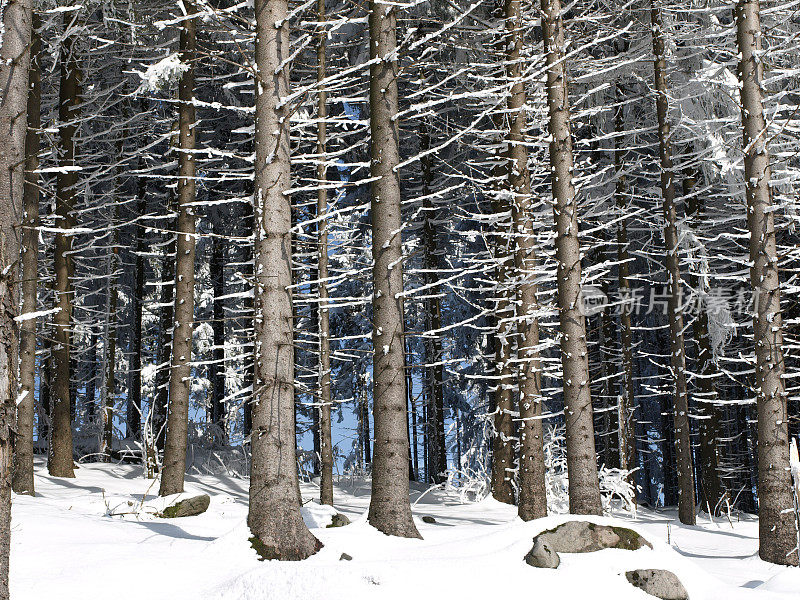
(133, 418)
(434, 373)
(389, 508)
(502, 402)
(776, 521)
(414, 437)
(626, 412)
(91, 379)
(710, 484)
(23, 444)
(167, 299)
(532, 494)
(217, 269)
(503, 438)
(60, 456)
(109, 389)
(14, 65)
(683, 443)
(326, 443)
(584, 487)
(274, 516)
(365, 429)
(180, 379)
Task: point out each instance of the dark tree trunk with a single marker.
(710, 484)
(166, 300)
(626, 411)
(133, 418)
(683, 443)
(23, 444)
(434, 373)
(324, 379)
(217, 269)
(60, 456)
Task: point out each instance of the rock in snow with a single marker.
(187, 508)
(583, 536)
(659, 583)
(339, 520)
(542, 556)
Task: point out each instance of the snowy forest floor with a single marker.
(71, 542)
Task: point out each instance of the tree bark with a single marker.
(532, 502)
(366, 436)
(325, 441)
(109, 389)
(502, 402)
(14, 65)
(389, 507)
(217, 269)
(433, 318)
(626, 411)
(584, 487)
(60, 456)
(776, 521)
(683, 443)
(133, 418)
(710, 484)
(167, 299)
(23, 444)
(274, 516)
(180, 379)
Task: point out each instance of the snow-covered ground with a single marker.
(92, 537)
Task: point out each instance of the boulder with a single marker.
(582, 536)
(187, 508)
(428, 519)
(542, 556)
(339, 520)
(345, 556)
(659, 583)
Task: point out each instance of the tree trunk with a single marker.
(584, 487)
(274, 516)
(166, 300)
(433, 318)
(325, 441)
(710, 484)
(60, 456)
(414, 438)
(502, 402)
(365, 431)
(23, 445)
(683, 443)
(14, 65)
(180, 378)
(626, 411)
(91, 380)
(217, 269)
(389, 508)
(532, 494)
(776, 521)
(133, 418)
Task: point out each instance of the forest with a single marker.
(341, 299)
